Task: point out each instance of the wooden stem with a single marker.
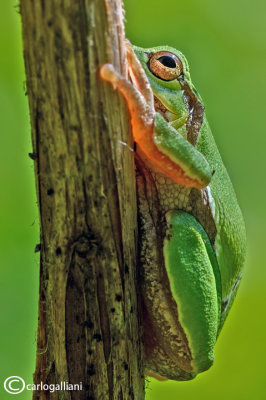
(89, 329)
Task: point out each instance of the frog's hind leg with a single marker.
(195, 284)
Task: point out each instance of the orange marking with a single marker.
(143, 136)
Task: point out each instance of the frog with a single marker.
(192, 242)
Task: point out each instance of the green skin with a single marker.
(203, 276)
(193, 240)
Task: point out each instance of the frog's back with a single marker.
(230, 239)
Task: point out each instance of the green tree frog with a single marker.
(192, 232)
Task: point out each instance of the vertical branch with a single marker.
(88, 329)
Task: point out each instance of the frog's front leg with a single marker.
(195, 289)
(139, 96)
(158, 143)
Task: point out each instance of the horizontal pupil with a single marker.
(167, 61)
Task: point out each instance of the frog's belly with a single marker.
(172, 196)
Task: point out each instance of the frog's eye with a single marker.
(165, 65)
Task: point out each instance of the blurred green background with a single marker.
(225, 43)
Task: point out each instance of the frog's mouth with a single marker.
(195, 115)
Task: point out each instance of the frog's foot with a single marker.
(156, 376)
(139, 78)
(139, 97)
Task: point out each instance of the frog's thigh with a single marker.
(193, 274)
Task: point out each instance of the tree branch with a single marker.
(88, 329)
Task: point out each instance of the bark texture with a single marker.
(89, 328)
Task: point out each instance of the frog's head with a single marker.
(175, 96)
